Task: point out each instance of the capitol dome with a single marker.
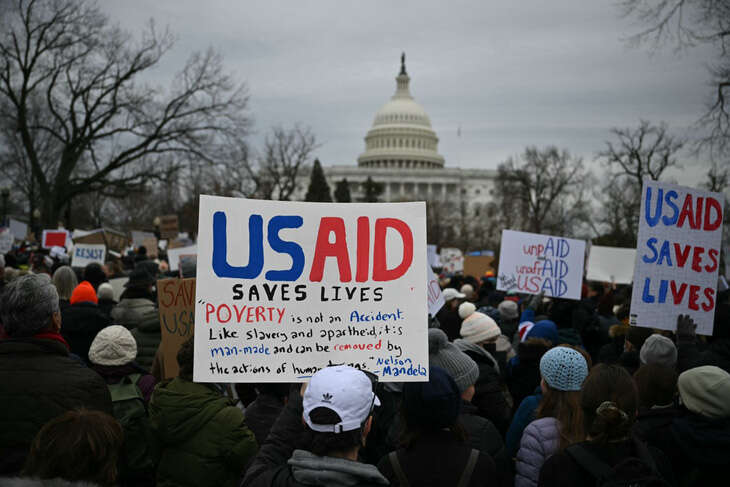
(401, 135)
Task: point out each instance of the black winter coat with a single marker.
(523, 371)
(482, 434)
(39, 381)
(80, 323)
(261, 415)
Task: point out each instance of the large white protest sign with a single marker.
(6, 240)
(433, 257)
(84, 254)
(18, 229)
(173, 255)
(452, 260)
(284, 289)
(435, 297)
(611, 264)
(677, 256)
(531, 263)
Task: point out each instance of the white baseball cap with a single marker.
(346, 391)
(451, 293)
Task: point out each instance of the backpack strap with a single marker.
(469, 469)
(645, 456)
(594, 465)
(395, 463)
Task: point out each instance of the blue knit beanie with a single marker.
(545, 329)
(563, 369)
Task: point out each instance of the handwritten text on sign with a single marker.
(84, 254)
(532, 263)
(284, 289)
(176, 299)
(677, 256)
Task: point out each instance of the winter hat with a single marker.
(140, 278)
(114, 345)
(84, 292)
(706, 391)
(451, 293)
(523, 329)
(467, 289)
(434, 404)
(544, 329)
(564, 369)
(658, 349)
(446, 355)
(508, 310)
(476, 326)
(105, 291)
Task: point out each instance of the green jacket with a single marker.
(148, 336)
(204, 438)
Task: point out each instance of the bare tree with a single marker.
(534, 191)
(66, 73)
(687, 23)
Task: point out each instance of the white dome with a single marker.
(401, 135)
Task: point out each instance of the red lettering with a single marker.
(686, 213)
(363, 249)
(710, 295)
(239, 314)
(249, 318)
(260, 316)
(697, 258)
(380, 264)
(694, 294)
(180, 295)
(698, 214)
(209, 309)
(713, 253)
(167, 292)
(677, 294)
(681, 256)
(218, 313)
(712, 203)
(337, 249)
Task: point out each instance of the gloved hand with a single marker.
(686, 328)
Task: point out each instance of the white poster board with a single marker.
(677, 257)
(18, 229)
(84, 254)
(6, 240)
(531, 263)
(611, 264)
(287, 288)
(435, 296)
(173, 255)
(433, 257)
(452, 260)
(118, 286)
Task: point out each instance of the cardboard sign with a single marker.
(677, 256)
(478, 265)
(6, 240)
(54, 238)
(84, 254)
(452, 260)
(435, 296)
(173, 255)
(176, 301)
(531, 263)
(169, 227)
(287, 288)
(150, 243)
(611, 264)
(18, 229)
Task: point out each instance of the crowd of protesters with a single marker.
(523, 390)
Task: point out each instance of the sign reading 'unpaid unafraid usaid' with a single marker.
(285, 289)
(677, 256)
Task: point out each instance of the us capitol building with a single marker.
(401, 152)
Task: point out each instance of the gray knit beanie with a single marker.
(658, 349)
(446, 355)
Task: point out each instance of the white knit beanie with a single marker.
(114, 345)
(476, 327)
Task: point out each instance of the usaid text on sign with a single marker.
(285, 289)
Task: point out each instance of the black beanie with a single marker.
(434, 404)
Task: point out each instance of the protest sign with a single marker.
(84, 254)
(677, 256)
(150, 243)
(477, 265)
(173, 255)
(169, 227)
(435, 296)
(54, 238)
(531, 263)
(6, 240)
(176, 301)
(452, 260)
(118, 285)
(18, 229)
(611, 264)
(138, 237)
(286, 288)
(433, 258)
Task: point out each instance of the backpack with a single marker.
(639, 471)
(463, 480)
(129, 409)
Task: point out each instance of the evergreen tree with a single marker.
(342, 192)
(372, 190)
(318, 190)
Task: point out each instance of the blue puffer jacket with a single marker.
(539, 441)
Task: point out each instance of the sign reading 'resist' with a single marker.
(285, 289)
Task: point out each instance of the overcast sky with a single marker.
(511, 73)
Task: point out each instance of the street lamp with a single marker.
(5, 194)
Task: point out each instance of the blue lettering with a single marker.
(650, 244)
(665, 254)
(671, 195)
(563, 248)
(549, 247)
(645, 296)
(653, 220)
(283, 247)
(221, 267)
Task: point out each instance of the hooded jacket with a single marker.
(203, 437)
(540, 440)
(147, 334)
(130, 312)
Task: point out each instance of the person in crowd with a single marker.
(468, 291)
(78, 448)
(333, 417)
(137, 303)
(481, 432)
(112, 356)
(115, 269)
(38, 379)
(559, 422)
(509, 318)
(263, 411)
(105, 295)
(660, 350)
(479, 342)
(65, 281)
(2, 273)
(635, 338)
(435, 451)
(94, 274)
(657, 388)
(523, 371)
(202, 435)
(82, 320)
(609, 404)
(691, 352)
(614, 348)
(448, 315)
(141, 254)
